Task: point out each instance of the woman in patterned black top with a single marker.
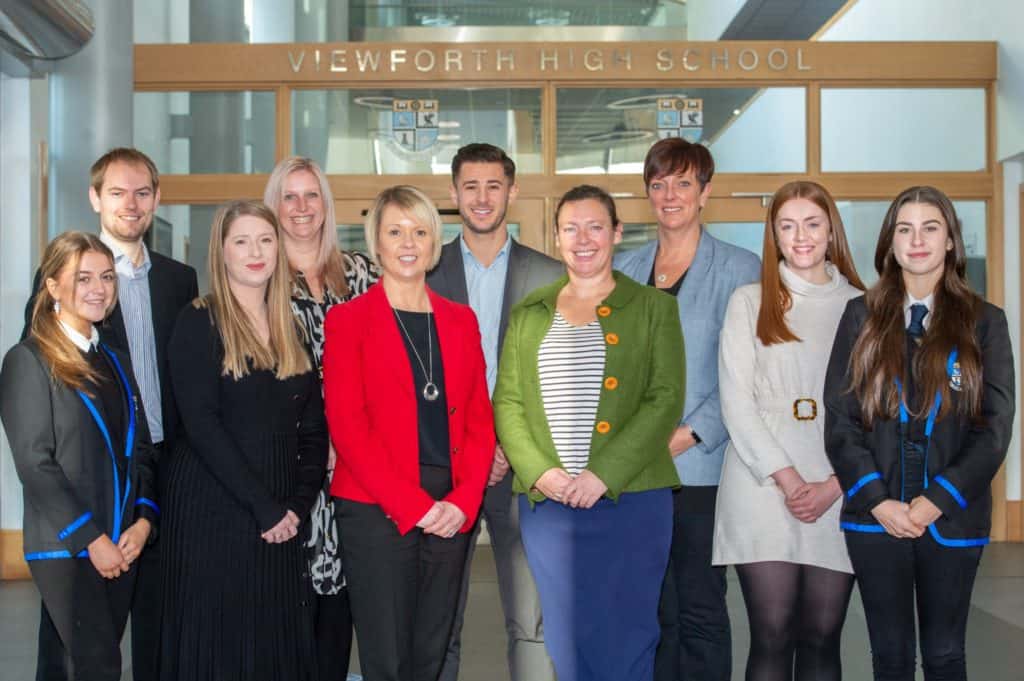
(322, 276)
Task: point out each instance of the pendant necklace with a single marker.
(430, 390)
(661, 278)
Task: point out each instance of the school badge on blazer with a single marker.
(955, 377)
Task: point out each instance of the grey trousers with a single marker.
(527, 658)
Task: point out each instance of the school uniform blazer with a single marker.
(372, 411)
(642, 392)
(172, 286)
(718, 269)
(962, 457)
(73, 491)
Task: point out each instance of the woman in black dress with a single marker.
(238, 485)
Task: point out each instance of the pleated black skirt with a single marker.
(235, 607)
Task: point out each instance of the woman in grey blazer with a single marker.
(81, 447)
(701, 272)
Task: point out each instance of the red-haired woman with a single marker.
(777, 516)
(920, 400)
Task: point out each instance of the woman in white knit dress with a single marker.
(777, 518)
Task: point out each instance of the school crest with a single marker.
(414, 123)
(955, 377)
(678, 117)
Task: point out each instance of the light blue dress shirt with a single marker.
(137, 312)
(486, 288)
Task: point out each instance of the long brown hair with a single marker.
(66, 363)
(329, 262)
(285, 354)
(879, 355)
(776, 299)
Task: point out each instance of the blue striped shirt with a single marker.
(137, 311)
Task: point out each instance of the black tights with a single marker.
(796, 615)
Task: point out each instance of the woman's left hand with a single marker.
(134, 539)
(584, 490)
(812, 500)
(448, 521)
(923, 511)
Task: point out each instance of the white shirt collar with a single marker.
(927, 301)
(81, 342)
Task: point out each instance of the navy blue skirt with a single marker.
(599, 573)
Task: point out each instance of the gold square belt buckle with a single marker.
(808, 413)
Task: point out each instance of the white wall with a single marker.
(23, 107)
(955, 20)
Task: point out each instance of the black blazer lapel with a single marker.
(515, 286)
(448, 279)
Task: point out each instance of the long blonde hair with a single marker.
(328, 261)
(66, 363)
(285, 354)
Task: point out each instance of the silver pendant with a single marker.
(430, 392)
(662, 278)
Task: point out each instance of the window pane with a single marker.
(863, 221)
(186, 229)
(360, 132)
(603, 130)
(206, 132)
(891, 129)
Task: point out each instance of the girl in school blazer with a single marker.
(920, 399)
(70, 407)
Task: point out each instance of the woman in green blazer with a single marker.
(590, 388)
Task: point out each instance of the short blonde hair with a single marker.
(413, 203)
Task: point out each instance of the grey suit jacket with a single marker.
(527, 270)
(717, 270)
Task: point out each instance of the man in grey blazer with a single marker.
(701, 272)
(490, 271)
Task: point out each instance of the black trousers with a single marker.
(333, 626)
(82, 620)
(892, 575)
(146, 614)
(696, 639)
(404, 590)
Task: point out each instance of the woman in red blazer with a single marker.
(411, 421)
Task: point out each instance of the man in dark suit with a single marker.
(490, 271)
(125, 192)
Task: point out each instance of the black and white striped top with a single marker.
(570, 363)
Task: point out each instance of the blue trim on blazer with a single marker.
(863, 481)
(955, 543)
(120, 495)
(953, 491)
(75, 525)
(50, 555)
(859, 527)
(148, 502)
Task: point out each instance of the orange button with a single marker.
(611, 383)
(603, 427)
(612, 338)
(604, 311)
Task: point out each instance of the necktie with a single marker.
(917, 314)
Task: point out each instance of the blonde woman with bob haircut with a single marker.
(777, 518)
(322, 276)
(80, 442)
(247, 471)
(410, 418)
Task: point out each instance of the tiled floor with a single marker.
(995, 634)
